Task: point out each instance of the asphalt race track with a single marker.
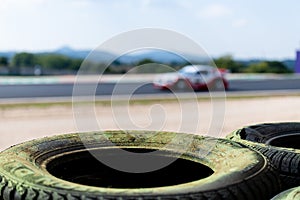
(66, 89)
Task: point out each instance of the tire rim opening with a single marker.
(83, 168)
(286, 141)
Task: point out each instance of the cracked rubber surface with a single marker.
(290, 194)
(239, 172)
(278, 142)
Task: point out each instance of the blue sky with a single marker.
(246, 29)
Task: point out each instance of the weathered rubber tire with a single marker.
(269, 139)
(238, 171)
(290, 194)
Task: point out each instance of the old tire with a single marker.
(290, 194)
(40, 169)
(280, 142)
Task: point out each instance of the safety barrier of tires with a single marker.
(290, 194)
(67, 167)
(279, 142)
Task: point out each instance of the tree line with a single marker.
(61, 62)
(48, 61)
(229, 63)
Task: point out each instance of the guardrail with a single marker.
(113, 78)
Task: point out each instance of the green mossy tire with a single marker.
(270, 139)
(238, 172)
(290, 194)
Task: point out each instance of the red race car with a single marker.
(196, 77)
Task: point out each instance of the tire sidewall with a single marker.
(25, 164)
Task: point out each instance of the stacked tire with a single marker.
(65, 167)
(290, 194)
(280, 143)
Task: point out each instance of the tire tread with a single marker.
(286, 160)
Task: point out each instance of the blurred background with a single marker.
(44, 42)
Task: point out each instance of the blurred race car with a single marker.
(196, 77)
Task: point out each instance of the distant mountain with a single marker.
(160, 56)
(68, 51)
(132, 58)
(97, 56)
(8, 54)
(289, 63)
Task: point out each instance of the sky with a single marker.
(268, 29)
